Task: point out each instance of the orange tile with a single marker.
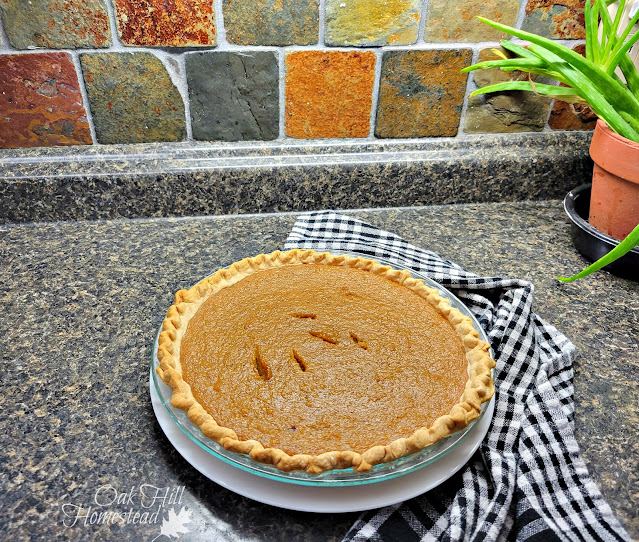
(329, 94)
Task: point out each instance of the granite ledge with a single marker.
(187, 179)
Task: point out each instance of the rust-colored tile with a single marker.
(56, 23)
(555, 18)
(166, 23)
(565, 116)
(41, 102)
(329, 94)
(421, 93)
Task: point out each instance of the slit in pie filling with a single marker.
(315, 362)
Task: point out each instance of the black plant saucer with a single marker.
(591, 242)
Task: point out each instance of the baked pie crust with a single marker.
(477, 390)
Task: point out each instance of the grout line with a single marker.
(113, 25)
(120, 49)
(470, 86)
(220, 29)
(322, 23)
(184, 90)
(547, 127)
(5, 46)
(442, 46)
(522, 14)
(376, 90)
(421, 31)
(75, 57)
(282, 92)
(253, 48)
(182, 85)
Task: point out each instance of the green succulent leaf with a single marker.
(621, 50)
(620, 250)
(600, 102)
(631, 74)
(517, 49)
(529, 64)
(523, 64)
(591, 33)
(565, 94)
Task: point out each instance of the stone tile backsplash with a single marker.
(81, 72)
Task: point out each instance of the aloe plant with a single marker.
(606, 79)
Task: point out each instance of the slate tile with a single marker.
(455, 20)
(559, 19)
(234, 96)
(132, 98)
(421, 93)
(271, 22)
(56, 24)
(371, 22)
(509, 111)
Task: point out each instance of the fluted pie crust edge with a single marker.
(479, 386)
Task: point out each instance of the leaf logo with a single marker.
(174, 525)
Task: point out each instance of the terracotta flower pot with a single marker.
(614, 200)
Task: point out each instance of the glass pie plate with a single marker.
(333, 478)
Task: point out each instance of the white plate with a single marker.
(322, 499)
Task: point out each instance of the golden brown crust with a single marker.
(479, 387)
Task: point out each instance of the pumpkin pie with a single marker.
(312, 361)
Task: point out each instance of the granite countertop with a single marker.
(83, 300)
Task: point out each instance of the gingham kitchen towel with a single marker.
(539, 488)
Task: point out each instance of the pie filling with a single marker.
(314, 358)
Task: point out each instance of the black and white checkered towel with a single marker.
(540, 489)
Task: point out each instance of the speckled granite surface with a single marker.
(83, 300)
(190, 179)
